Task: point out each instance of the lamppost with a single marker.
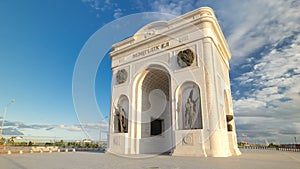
(4, 114)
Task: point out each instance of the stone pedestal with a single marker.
(118, 143)
(189, 143)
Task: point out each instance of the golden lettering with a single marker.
(152, 49)
(164, 45)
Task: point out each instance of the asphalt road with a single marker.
(250, 159)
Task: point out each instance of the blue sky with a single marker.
(40, 42)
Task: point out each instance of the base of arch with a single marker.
(190, 143)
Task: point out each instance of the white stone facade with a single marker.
(179, 105)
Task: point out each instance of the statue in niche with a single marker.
(121, 76)
(120, 113)
(185, 58)
(191, 113)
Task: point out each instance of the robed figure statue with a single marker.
(191, 113)
(120, 113)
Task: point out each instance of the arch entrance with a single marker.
(154, 112)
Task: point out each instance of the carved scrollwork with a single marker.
(149, 33)
(185, 58)
(121, 76)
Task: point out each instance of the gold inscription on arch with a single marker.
(152, 49)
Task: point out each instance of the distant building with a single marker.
(86, 140)
(297, 146)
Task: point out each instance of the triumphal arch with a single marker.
(171, 90)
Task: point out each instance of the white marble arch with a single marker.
(183, 92)
(154, 50)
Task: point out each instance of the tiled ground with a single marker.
(250, 159)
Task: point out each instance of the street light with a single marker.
(4, 114)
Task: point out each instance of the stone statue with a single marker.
(120, 113)
(191, 113)
(229, 118)
(185, 58)
(121, 76)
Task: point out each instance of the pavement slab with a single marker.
(250, 159)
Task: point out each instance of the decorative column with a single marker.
(216, 148)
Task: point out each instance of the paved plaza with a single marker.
(250, 159)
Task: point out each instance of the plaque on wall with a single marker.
(185, 58)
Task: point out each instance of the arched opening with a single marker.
(155, 111)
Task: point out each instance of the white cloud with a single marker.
(277, 84)
(251, 106)
(118, 13)
(11, 131)
(98, 126)
(174, 7)
(99, 5)
(70, 128)
(95, 4)
(16, 126)
(257, 23)
(269, 90)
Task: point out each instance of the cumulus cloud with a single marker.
(248, 25)
(258, 23)
(275, 88)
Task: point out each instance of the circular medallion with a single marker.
(188, 139)
(121, 76)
